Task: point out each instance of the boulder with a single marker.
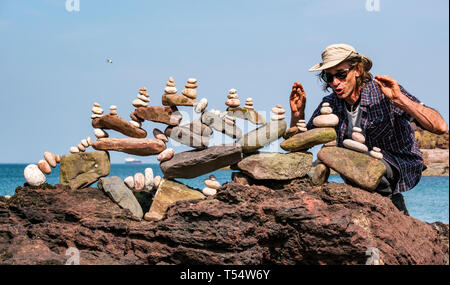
(262, 136)
(168, 115)
(33, 175)
(185, 136)
(194, 163)
(115, 122)
(79, 170)
(359, 168)
(308, 139)
(142, 147)
(119, 193)
(177, 100)
(170, 192)
(276, 166)
(216, 122)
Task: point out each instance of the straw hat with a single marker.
(337, 53)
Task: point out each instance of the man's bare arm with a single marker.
(428, 118)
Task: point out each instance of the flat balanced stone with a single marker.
(170, 192)
(116, 189)
(246, 114)
(321, 174)
(199, 128)
(115, 122)
(215, 121)
(142, 147)
(79, 170)
(177, 100)
(277, 166)
(262, 136)
(361, 169)
(194, 163)
(308, 139)
(291, 132)
(187, 137)
(168, 115)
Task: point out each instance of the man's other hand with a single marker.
(297, 99)
(389, 86)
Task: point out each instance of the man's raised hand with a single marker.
(389, 86)
(297, 99)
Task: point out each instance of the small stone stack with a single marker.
(142, 98)
(158, 134)
(190, 90)
(326, 118)
(97, 112)
(357, 141)
(170, 87)
(301, 125)
(211, 186)
(82, 146)
(233, 99)
(113, 110)
(278, 113)
(249, 104)
(35, 174)
(141, 181)
(376, 153)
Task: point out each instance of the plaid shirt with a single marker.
(385, 126)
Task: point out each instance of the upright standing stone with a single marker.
(119, 193)
(321, 174)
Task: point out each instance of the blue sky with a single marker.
(53, 62)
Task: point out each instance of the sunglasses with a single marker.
(341, 75)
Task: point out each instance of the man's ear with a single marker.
(358, 70)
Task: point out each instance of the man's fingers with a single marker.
(385, 78)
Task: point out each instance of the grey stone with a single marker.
(216, 122)
(262, 136)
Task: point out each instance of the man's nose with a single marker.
(335, 82)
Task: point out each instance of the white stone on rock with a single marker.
(148, 173)
(85, 143)
(190, 93)
(81, 147)
(326, 104)
(96, 104)
(213, 184)
(89, 140)
(139, 181)
(301, 129)
(329, 120)
(129, 181)
(97, 110)
(166, 154)
(329, 144)
(232, 96)
(58, 158)
(44, 166)
(301, 125)
(326, 110)
(192, 80)
(354, 145)
(278, 111)
(209, 191)
(143, 98)
(74, 149)
(301, 121)
(358, 137)
(136, 124)
(33, 175)
(233, 103)
(375, 154)
(95, 116)
(157, 181)
(377, 149)
(232, 91)
(99, 133)
(138, 103)
(356, 129)
(170, 90)
(201, 105)
(277, 117)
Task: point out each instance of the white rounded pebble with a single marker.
(232, 91)
(330, 120)
(190, 93)
(33, 175)
(232, 96)
(358, 137)
(95, 116)
(325, 104)
(233, 103)
(148, 173)
(89, 140)
(192, 80)
(74, 149)
(44, 166)
(166, 154)
(96, 104)
(81, 147)
(301, 125)
(375, 154)
(356, 129)
(277, 117)
(143, 98)
(58, 158)
(332, 143)
(138, 103)
(129, 181)
(326, 110)
(136, 124)
(85, 143)
(170, 90)
(278, 111)
(139, 181)
(209, 191)
(7, 197)
(301, 121)
(201, 105)
(50, 158)
(97, 110)
(99, 133)
(354, 145)
(171, 79)
(377, 149)
(301, 129)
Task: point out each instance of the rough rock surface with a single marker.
(115, 122)
(276, 166)
(177, 100)
(116, 189)
(190, 164)
(142, 147)
(80, 170)
(308, 139)
(290, 223)
(187, 137)
(428, 140)
(359, 168)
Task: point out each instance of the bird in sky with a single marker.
(108, 60)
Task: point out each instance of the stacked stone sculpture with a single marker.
(233, 99)
(211, 186)
(35, 174)
(357, 141)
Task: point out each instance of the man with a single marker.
(380, 107)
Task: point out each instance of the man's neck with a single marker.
(352, 99)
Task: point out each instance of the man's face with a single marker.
(343, 88)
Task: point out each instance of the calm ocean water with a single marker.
(428, 201)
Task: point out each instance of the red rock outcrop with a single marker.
(288, 223)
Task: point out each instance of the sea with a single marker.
(428, 201)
